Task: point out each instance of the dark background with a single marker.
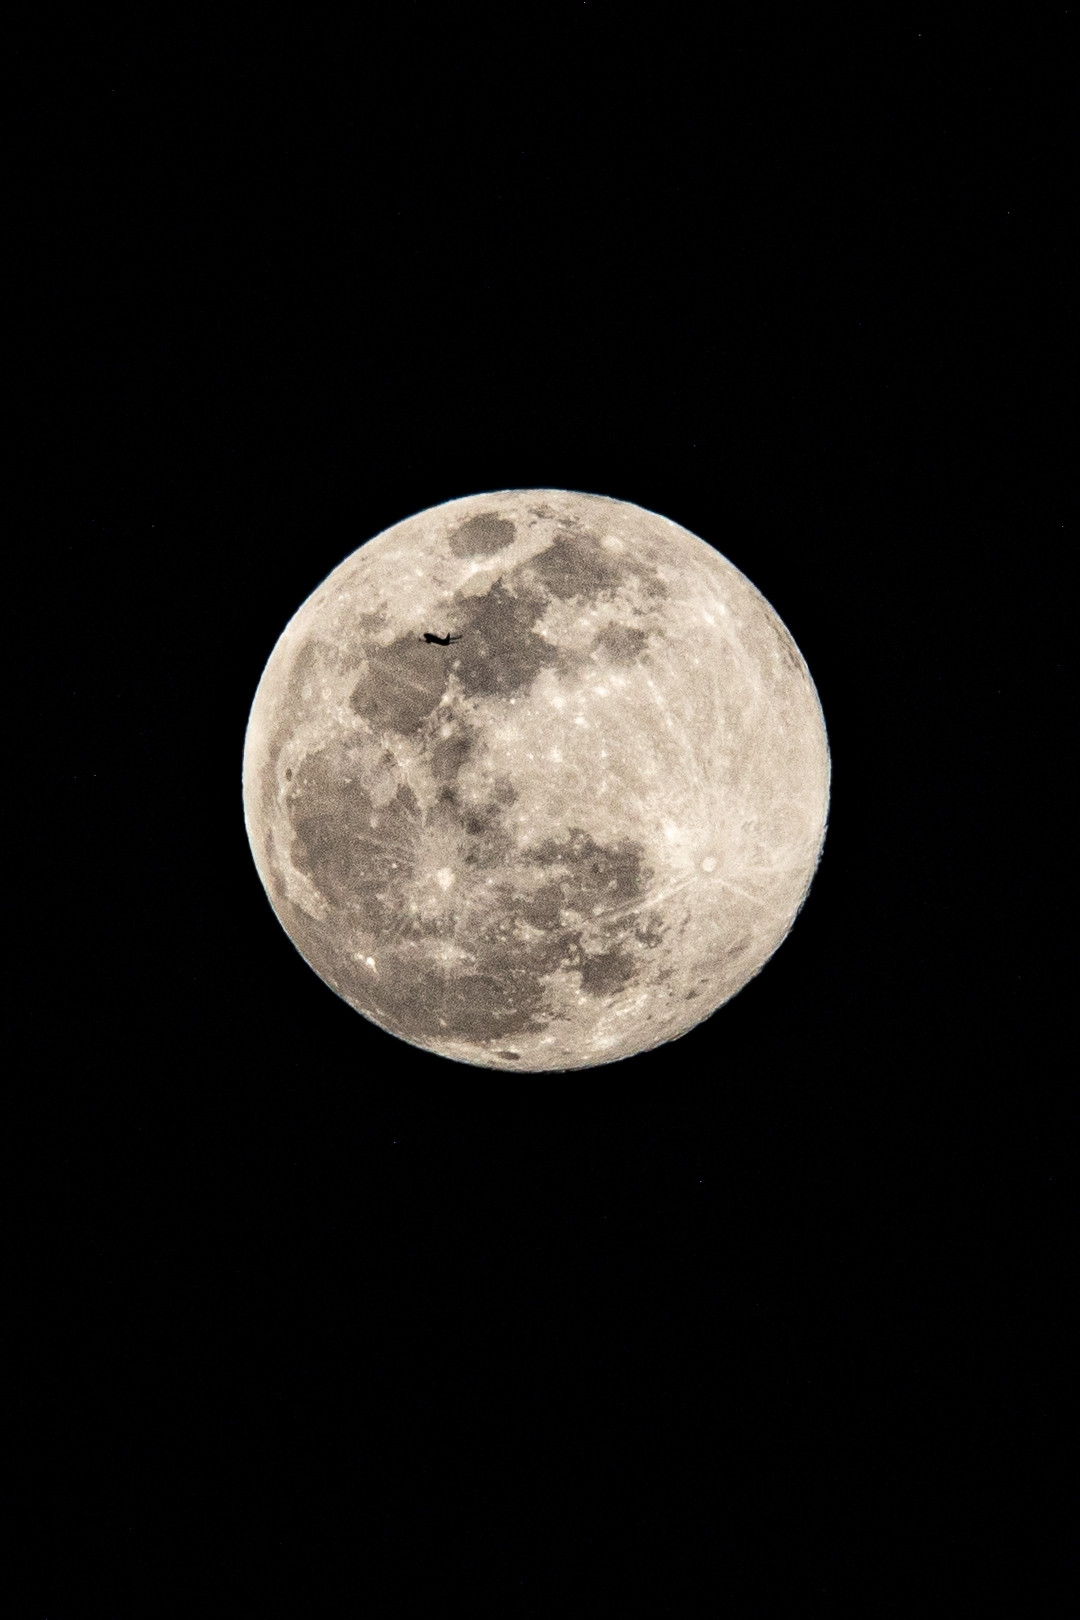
(773, 1319)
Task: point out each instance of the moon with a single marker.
(536, 780)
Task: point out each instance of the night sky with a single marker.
(773, 1319)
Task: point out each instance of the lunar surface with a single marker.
(569, 834)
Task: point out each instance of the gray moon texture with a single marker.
(570, 835)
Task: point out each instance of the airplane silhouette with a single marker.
(440, 641)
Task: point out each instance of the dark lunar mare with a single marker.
(482, 536)
(354, 851)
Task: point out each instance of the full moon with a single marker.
(536, 780)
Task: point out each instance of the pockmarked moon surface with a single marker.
(536, 780)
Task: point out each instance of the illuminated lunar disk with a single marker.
(567, 836)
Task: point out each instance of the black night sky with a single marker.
(773, 1319)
